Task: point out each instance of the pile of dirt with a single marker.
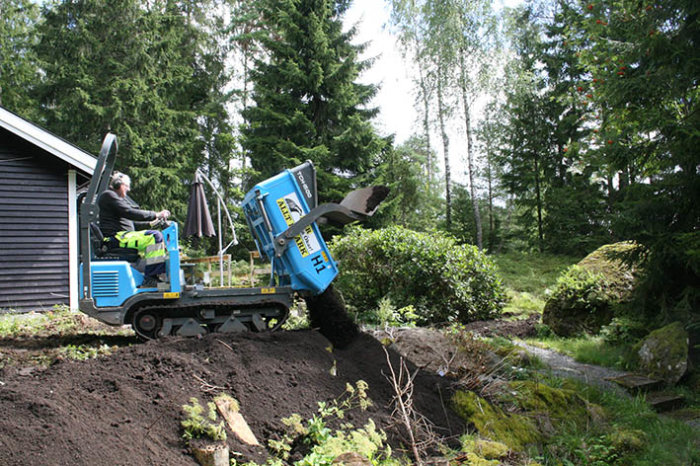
(505, 328)
(126, 408)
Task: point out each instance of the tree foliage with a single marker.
(18, 64)
(643, 64)
(308, 103)
(147, 73)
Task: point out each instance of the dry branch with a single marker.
(417, 428)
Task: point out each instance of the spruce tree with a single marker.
(147, 73)
(307, 102)
(18, 68)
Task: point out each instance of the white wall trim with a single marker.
(47, 141)
(72, 241)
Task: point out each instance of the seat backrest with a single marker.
(101, 250)
(96, 233)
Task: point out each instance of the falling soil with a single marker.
(125, 408)
(327, 312)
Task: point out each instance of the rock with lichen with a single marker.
(587, 294)
(663, 354)
(514, 430)
(627, 440)
(484, 448)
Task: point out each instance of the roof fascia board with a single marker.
(53, 144)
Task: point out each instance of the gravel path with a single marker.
(565, 366)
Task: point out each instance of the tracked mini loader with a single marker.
(282, 213)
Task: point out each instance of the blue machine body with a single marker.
(270, 208)
(114, 281)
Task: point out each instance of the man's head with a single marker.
(120, 183)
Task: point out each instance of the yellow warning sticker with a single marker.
(171, 295)
(268, 290)
(291, 210)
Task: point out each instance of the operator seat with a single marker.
(102, 252)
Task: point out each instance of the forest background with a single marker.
(589, 135)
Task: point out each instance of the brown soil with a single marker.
(505, 328)
(125, 408)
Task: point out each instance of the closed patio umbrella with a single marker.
(198, 217)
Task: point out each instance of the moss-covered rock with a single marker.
(627, 440)
(556, 403)
(663, 354)
(473, 459)
(487, 449)
(514, 430)
(587, 293)
(550, 407)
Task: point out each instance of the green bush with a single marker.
(442, 280)
(578, 304)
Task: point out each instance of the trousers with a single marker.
(149, 244)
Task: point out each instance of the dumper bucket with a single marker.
(282, 213)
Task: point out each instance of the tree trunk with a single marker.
(426, 115)
(426, 126)
(445, 147)
(540, 235)
(489, 178)
(470, 155)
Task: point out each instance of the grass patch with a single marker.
(84, 352)
(662, 440)
(527, 278)
(531, 273)
(522, 305)
(621, 431)
(590, 350)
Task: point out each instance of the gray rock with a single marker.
(588, 293)
(664, 353)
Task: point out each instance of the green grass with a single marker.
(59, 321)
(627, 432)
(527, 277)
(589, 350)
(666, 441)
(531, 272)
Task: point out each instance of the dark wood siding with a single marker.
(33, 227)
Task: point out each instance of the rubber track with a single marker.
(165, 312)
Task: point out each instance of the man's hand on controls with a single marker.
(163, 215)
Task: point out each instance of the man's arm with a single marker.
(125, 208)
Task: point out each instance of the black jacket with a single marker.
(118, 213)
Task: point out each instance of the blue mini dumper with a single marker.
(282, 213)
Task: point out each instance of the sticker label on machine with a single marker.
(291, 209)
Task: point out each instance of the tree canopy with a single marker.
(589, 136)
(308, 104)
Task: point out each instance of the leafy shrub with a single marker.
(319, 444)
(578, 304)
(197, 425)
(387, 314)
(442, 280)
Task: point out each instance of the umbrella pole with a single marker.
(221, 246)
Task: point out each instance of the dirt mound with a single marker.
(125, 409)
(505, 328)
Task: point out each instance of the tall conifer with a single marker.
(307, 101)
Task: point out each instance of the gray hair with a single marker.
(119, 179)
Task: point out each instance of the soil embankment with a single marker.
(125, 408)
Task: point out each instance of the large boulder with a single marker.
(587, 293)
(663, 354)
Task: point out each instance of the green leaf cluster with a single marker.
(198, 425)
(442, 280)
(321, 444)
